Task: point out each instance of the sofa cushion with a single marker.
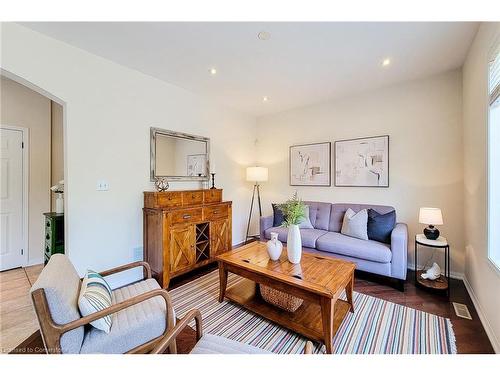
(211, 344)
(319, 214)
(308, 236)
(132, 326)
(61, 284)
(355, 224)
(380, 226)
(337, 243)
(277, 215)
(338, 211)
(305, 222)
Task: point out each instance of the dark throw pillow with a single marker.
(380, 226)
(278, 217)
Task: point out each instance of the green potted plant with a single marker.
(293, 213)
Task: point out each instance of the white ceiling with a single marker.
(300, 64)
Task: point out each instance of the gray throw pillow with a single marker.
(355, 224)
(305, 222)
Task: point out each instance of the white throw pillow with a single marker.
(355, 224)
(95, 295)
(305, 222)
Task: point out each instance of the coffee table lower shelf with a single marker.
(306, 320)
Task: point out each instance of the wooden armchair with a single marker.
(211, 344)
(55, 299)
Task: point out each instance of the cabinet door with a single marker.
(219, 236)
(182, 251)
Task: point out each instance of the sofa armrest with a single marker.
(399, 248)
(266, 222)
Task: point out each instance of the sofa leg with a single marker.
(400, 285)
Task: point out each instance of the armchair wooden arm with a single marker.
(166, 341)
(52, 332)
(309, 348)
(145, 265)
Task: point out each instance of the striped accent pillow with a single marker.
(95, 295)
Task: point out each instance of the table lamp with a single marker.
(256, 175)
(430, 216)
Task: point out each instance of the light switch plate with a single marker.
(102, 185)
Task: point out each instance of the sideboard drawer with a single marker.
(169, 199)
(191, 215)
(190, 198)
(212, 195)
(215, 212)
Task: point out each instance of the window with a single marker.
(494, 158)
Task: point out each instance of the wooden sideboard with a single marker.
(184, 230)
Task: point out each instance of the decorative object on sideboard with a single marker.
(274, 247)
(294, 213)
(255, 175)
(213, 181)
(430, 216)
(161, 184)
(432, 273)
(310, 164)
(362, 162)
(58, 189)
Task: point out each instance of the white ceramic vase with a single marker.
(294, 244)
(59, 203)
(274, 247)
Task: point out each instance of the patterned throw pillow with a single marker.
(355, 224)
(95, 295)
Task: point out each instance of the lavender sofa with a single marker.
(326, 239)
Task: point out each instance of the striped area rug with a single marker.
(376, 327)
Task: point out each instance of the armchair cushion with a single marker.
(211, 344)
(95, 295)
(132, 326)
(61, 285)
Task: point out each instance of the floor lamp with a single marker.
(256, 175)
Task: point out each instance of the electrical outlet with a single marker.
(102, 185)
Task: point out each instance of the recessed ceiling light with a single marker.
(386, 62)
(213, 71)
(265, 99)
(264, 35)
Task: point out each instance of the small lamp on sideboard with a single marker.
(430, 216)
(256, 175)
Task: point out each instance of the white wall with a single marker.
(57, 148)
(482, 279)
(25, 108)
(423, 120)
(109, 109)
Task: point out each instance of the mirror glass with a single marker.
(178, 156)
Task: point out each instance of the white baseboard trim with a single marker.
(453, 275)
(484, 321)
(34, 262)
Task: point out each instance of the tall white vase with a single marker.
(59, 203)
(294, 244)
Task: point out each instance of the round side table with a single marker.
(443, 282)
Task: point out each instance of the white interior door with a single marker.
(11, 194)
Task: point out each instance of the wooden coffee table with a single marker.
(318, 280)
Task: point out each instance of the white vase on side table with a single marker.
(294, 244)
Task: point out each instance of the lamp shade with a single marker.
(430, 216)
(257, 174)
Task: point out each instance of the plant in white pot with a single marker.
(293, 213)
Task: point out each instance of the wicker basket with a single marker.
(280, 299)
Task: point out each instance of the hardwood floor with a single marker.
(17, 317)
(470, 334)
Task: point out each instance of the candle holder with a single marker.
(213, 180)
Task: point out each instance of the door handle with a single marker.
(186, 216)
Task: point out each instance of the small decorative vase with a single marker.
(59, 203)
(294, 244)
(274, 247)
